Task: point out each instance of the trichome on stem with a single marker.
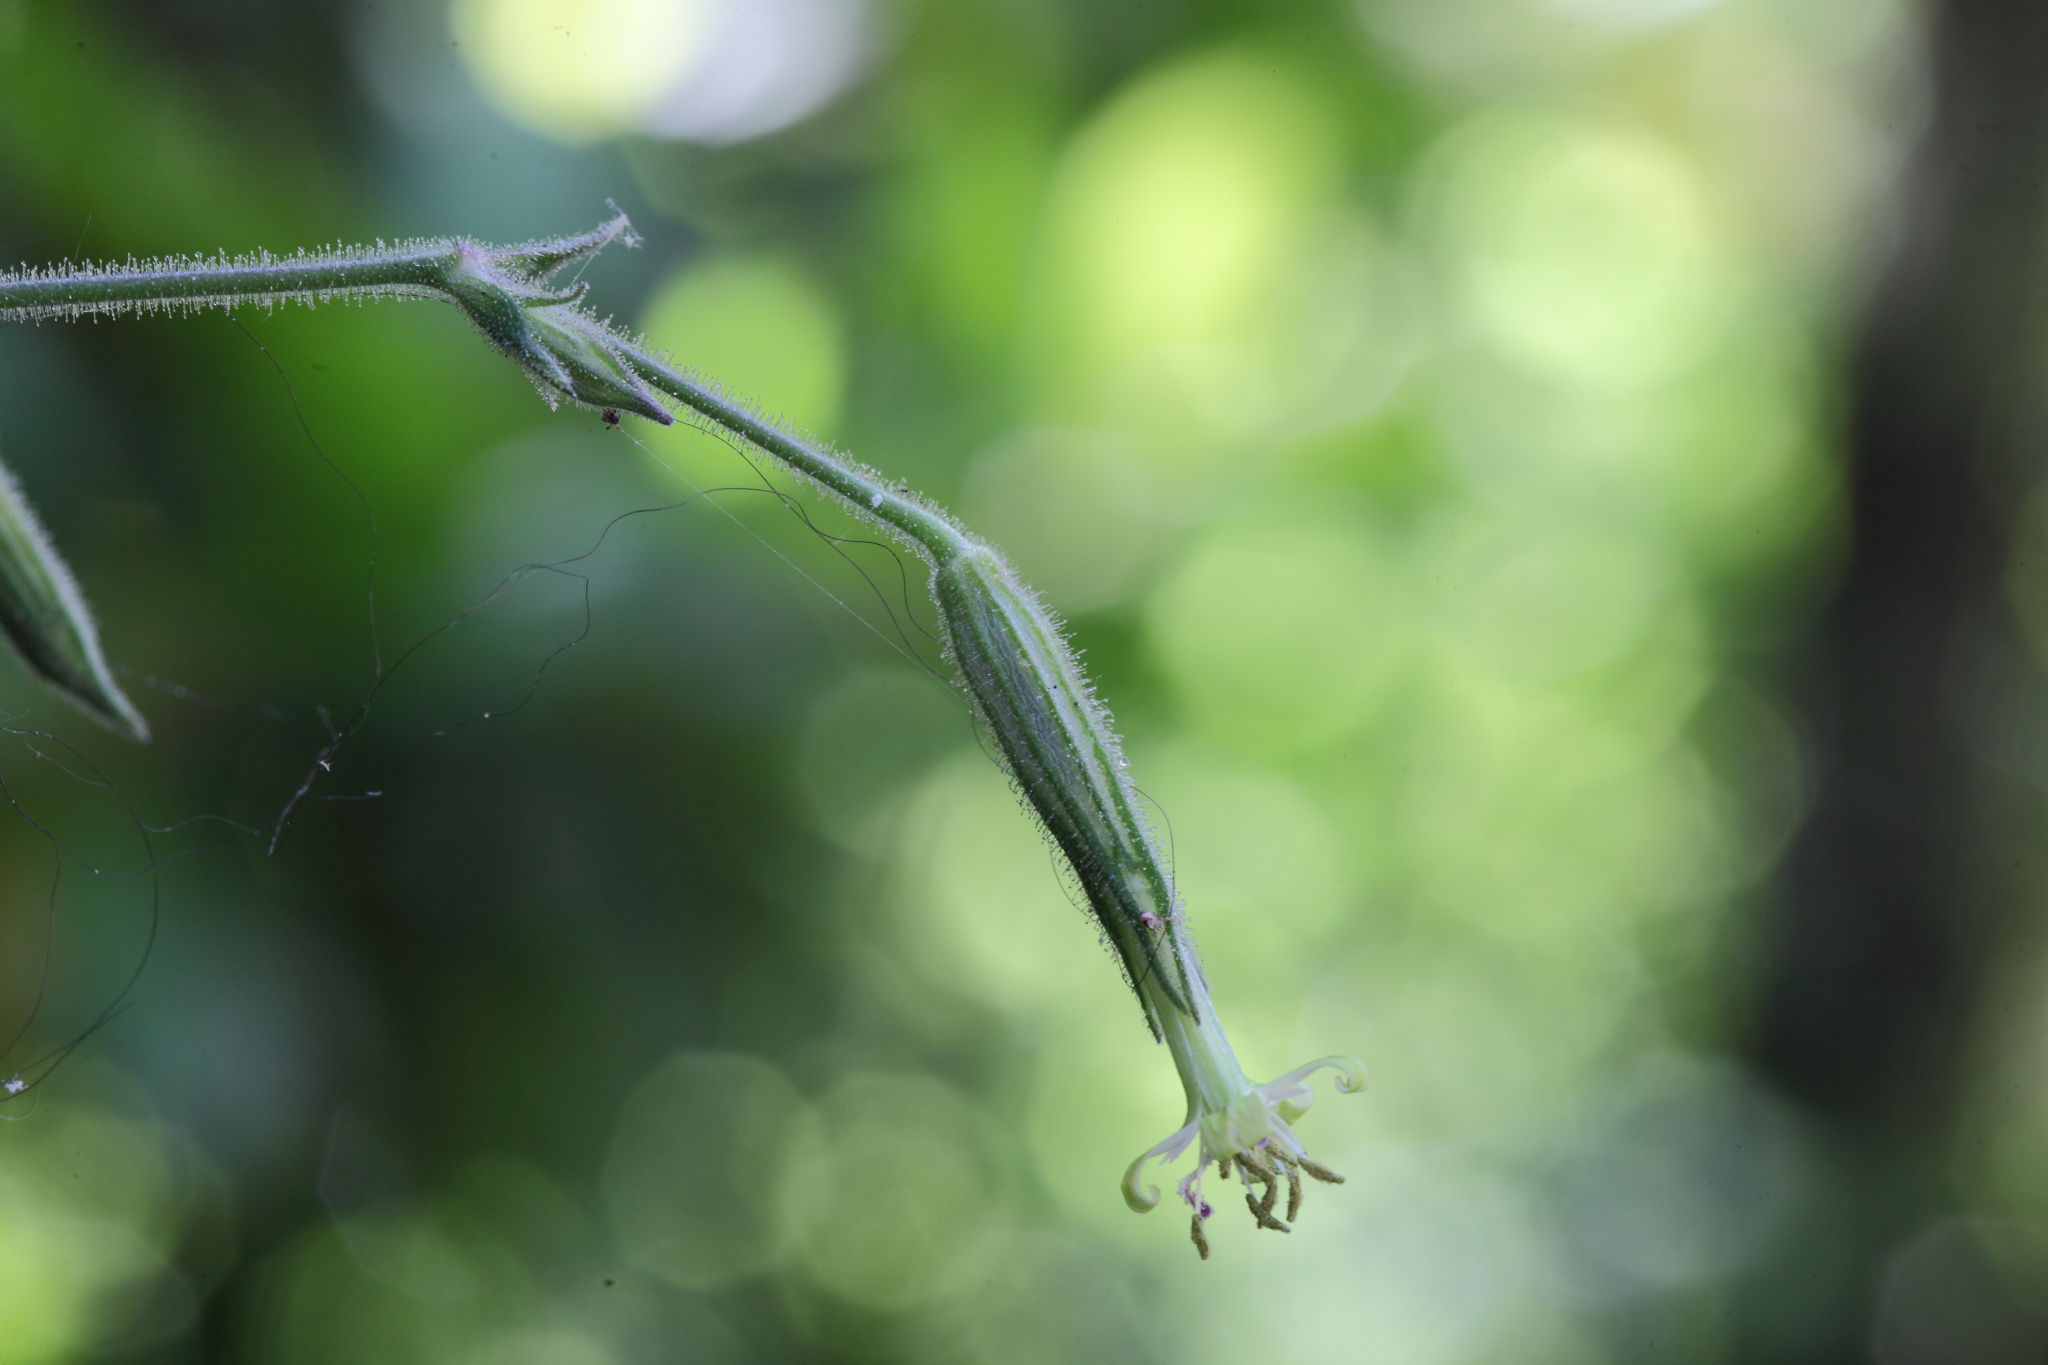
(1010, 658)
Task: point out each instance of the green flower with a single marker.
(1245, 1131)
(1036, 703)
(1022, 680)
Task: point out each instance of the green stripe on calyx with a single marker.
(44, 617)
(1023, 682)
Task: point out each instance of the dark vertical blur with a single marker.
(1895, 900)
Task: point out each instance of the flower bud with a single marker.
(44, 617)
(565, 351)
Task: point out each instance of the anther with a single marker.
(1265, 1215)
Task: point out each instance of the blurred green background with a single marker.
(1439, 421)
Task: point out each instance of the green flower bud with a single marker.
(45, 618)
(565, 351)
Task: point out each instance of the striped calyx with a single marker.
(1036, 704)
(43, 615)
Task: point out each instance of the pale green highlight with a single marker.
(711, 1219)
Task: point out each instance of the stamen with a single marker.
(1201, 1239)
(1264, 1212)
(1322, 1173)
(1293, 1194)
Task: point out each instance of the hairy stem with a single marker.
(413, 270)
(935, 534)
(1023, 681)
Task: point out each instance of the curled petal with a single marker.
(1143, 1197)
(1350, 1079)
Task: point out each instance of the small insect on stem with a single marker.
(611, 417)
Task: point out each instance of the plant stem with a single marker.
(417, 271)
(936, 535)
(1022, 679)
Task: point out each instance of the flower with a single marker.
(1245, 1131)
(1036, 703)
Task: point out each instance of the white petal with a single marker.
(1142, 1197)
